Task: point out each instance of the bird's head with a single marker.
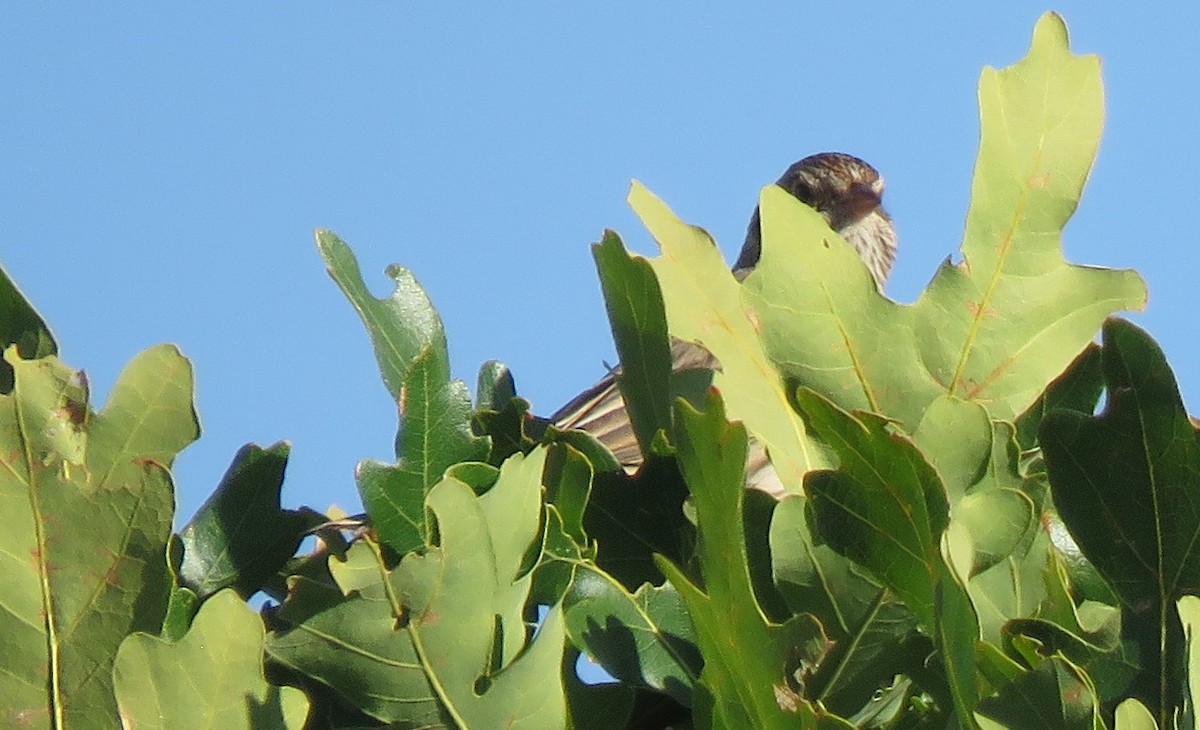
(848, 193)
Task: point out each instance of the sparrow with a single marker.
(848, 194)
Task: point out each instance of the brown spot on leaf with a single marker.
(786, 697)
(975, 310)
(754, 321)
(73, 411)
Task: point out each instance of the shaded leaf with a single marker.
(632, 519)
(505, 428)
(885, 508)
(1127, 482)
(1078, 388)
(1053, 695)
(866, 623)
(639, 326)
(596, 706)
(20, 325)
(240, 537)
(1127, 486)
(641, 639)
(1111, 664)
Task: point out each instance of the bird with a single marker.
(848, 193)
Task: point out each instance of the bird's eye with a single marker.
(803, 191)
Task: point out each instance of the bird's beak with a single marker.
(860, 200)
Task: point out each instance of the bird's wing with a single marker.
(600, 410)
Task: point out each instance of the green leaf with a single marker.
(435, 411)
(401, 325)
(995, 328)
(435, 434)
(956, 633)
(355, 644)
(20, 325)
(495, 386)
(639, 326)
(1189, 615)
(704, 305)
(641, 639)
(89, 501)
(976, 461)
(754, 668)
(212, 677)
(866, 622)
(441, 638)
(635, 519)
(956, 437)
(183, 602)
(1078, 388)
(1133, 715)
(240, 537)
(1054, 696)
(1010, 589)
(181, 609)
(1125, 484)
(885, 508)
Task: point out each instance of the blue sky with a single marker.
(164, 169)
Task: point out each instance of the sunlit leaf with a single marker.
(212, 677)
(89, 501)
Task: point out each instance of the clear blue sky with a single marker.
(163, 170)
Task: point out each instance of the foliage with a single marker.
(965, 542)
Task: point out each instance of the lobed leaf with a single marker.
(435, 410)
(212, 677)
(995, 328)
(401, 325)
(885, 508)
(1127, 486)
(641, 639)
(754, 668)
(240, 537)
(704, 305)
(89, 500)
(406, 647)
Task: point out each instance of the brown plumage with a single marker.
(847, 192)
